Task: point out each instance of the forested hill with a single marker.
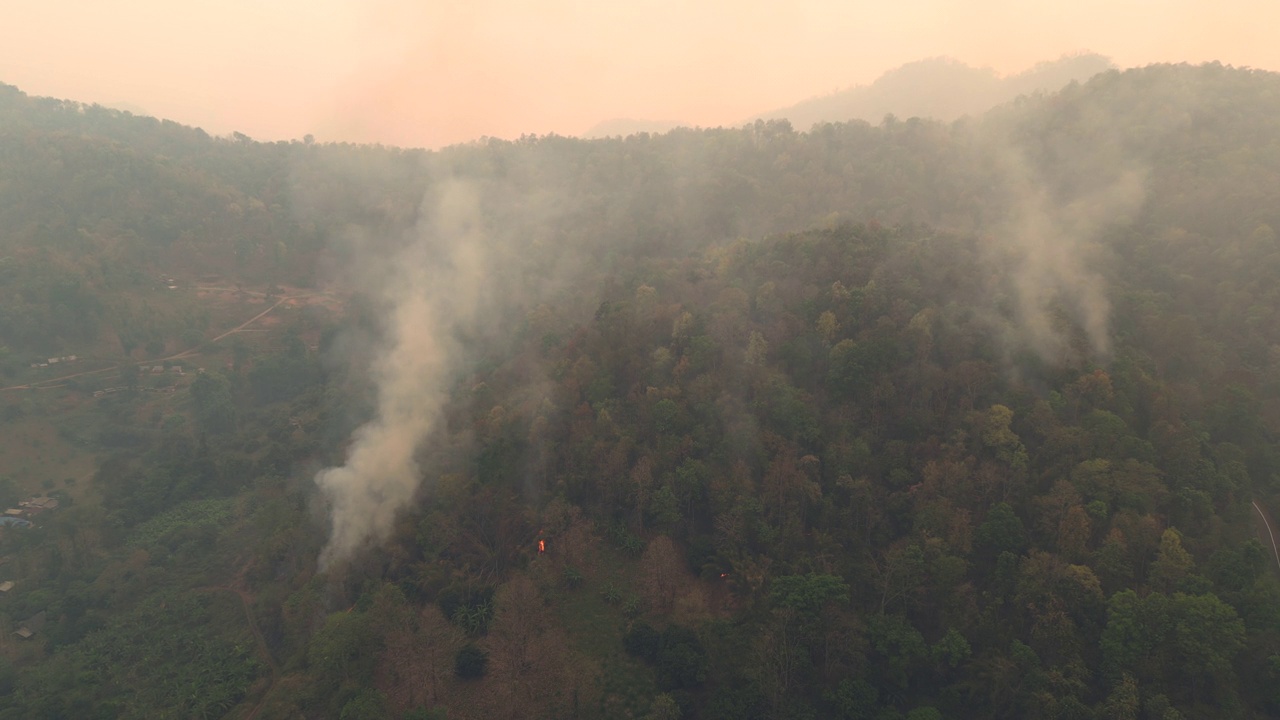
(941, 89)
(915, 420)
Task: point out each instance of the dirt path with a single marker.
(45, 384)
(1270, 535)
(37, 385)
(255, 318)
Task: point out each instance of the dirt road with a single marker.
(1269, 538)
(44, 384)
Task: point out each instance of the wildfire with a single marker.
(542, 546)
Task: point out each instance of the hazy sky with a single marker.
(433, 72)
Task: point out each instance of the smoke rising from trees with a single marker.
(431, 289)
(1052, 245)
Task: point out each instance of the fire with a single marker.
(724, 575)
(542, 546)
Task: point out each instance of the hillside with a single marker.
(940, 89)
(622, 127)
(909, 420)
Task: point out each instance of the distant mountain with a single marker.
(627, 126)
(939, 88)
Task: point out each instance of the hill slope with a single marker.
(938, 88)
(913, 420)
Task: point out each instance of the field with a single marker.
(37, 458)
(50, 417)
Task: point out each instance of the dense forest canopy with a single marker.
(909, 420)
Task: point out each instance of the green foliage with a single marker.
(681, 660)
(897, 496)
(625, 540)
(1173, 564)
(214, 405)
(343, 649)
(573, 578)
(213, 512)
(900, 644)
(643, 641)
(471, 662)
(807, 594)
(664, 707)
(425, 714)
(474, 619)
(952, 650)
(1001, 532)
(468, 605)
(198, 669)
(283, 376)
(1192, 638)
(854, 699)
(676, 653)
(366, 705)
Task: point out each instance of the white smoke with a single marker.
(432, 291)
(1052, 243)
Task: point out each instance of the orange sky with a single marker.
(432, 72)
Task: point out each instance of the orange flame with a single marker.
(542, 546)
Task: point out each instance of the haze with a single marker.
(434, 73)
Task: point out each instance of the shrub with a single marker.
(471, 662)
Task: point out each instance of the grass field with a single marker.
(40, 447)
(38, 458)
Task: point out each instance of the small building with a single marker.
(157, 369)
(36, 505)
(6, 586)
(15, 512)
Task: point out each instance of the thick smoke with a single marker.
(432, 290)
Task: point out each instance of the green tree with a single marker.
(471, 662)
(1207, 635)
(1173, 563)
(1002, 531)
(366, 705)
(214, 406)
(343, 649)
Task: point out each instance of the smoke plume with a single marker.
(1050, 238)
(431, 290)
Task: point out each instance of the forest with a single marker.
(910, 420)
